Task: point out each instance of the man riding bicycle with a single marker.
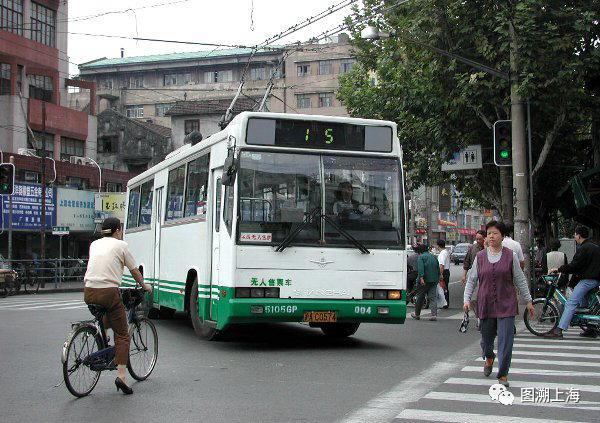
(585, 263)
(108, 256)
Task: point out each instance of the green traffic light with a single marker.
(504, 154)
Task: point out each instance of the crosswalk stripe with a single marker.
(553, 362)
(71, 307)
(556, 345)
(479, 398)
(453, 417)
(515, 383)
(51, 305)
(567, 341)
(540, 372)
(33, 303)
(567, 336)
(556, 354)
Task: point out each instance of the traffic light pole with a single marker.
(519, 153)
(10, 220)
(43, 217)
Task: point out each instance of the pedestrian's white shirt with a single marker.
(444, 259)
(108, 256)
(508, 242)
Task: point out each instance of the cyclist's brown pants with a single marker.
(116, 318)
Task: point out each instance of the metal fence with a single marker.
(31, 275)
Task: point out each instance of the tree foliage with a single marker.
(442, 104)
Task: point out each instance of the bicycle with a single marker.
(86, 352)
(549, 309)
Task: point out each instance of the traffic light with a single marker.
(502, 143)
(7, 178)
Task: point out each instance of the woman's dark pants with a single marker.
(504, 327)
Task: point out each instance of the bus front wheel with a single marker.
(339, 330)
(203, 329)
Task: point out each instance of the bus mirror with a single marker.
(229, 169)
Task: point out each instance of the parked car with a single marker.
(459, 253)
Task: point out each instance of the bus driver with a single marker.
(346, 206)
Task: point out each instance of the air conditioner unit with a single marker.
(26, 151)
(78, 160)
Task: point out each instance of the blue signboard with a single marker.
(27, 208)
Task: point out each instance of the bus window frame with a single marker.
(139, 228)
(137, 214)
(321, 153)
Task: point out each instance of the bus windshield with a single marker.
(363, 195)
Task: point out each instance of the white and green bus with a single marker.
(277, 218)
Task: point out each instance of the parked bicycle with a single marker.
(548, 310)
(86, 352)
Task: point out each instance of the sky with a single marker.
(239, 22)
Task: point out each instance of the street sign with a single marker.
(60, 230)
(465, 159)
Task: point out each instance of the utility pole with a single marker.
(506, 194)
(519, 153)
(428, 213)
(10, 220)
(43, 217)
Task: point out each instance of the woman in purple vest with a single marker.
(497, 271)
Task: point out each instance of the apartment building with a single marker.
(147, 87)
(34, 81)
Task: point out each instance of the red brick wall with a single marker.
(64, 169)
(59, 120)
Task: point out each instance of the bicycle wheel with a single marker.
(543, 321)
(143, 349)
(79, 378)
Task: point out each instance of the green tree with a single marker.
(442, 105)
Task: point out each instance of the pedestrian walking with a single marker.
(554, 259)
(512, 244)
(497, 271)
(428, 278)
(468, 263)
(586, 263)
(444, 262)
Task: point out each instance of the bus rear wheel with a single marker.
(203, 329)
(339, 330)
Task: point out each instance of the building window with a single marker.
(40, 87)
(303, 70)
(136, 81)
(162, 108)
(107, 84)
(77, 182)
(71, 147)
(325, 67)
(303, 101)
(325, 99)
(346, 65)
(108, 145)
(134, 111)
(113, 187)
(257, 74)
(43, 24)
(4, 79)
(37, 143)
(191, 126)
(29, 176)
(218, 76)
(11, 16)
(177, 79)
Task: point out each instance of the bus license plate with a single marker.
(320, 316)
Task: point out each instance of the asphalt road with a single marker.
(275, 373)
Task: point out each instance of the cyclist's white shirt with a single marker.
(108, 256)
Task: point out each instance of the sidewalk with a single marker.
(53, 288)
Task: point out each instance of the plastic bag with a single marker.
(441, 298)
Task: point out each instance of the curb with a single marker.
(49, 291)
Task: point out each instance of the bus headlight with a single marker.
(394, 295)
(271, 292)
(257, 293)
(381, 294)
(242, 292)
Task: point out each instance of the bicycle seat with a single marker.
(97, 310)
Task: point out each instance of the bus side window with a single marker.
(218, 206)
(133, 208)
(228, 208)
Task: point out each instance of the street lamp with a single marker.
(99, 170)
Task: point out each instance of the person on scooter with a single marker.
(585, 263)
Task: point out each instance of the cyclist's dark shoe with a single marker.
(123, 386)
(588, 333)
(555, 333)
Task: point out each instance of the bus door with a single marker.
(157, 226)
(217, 226)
